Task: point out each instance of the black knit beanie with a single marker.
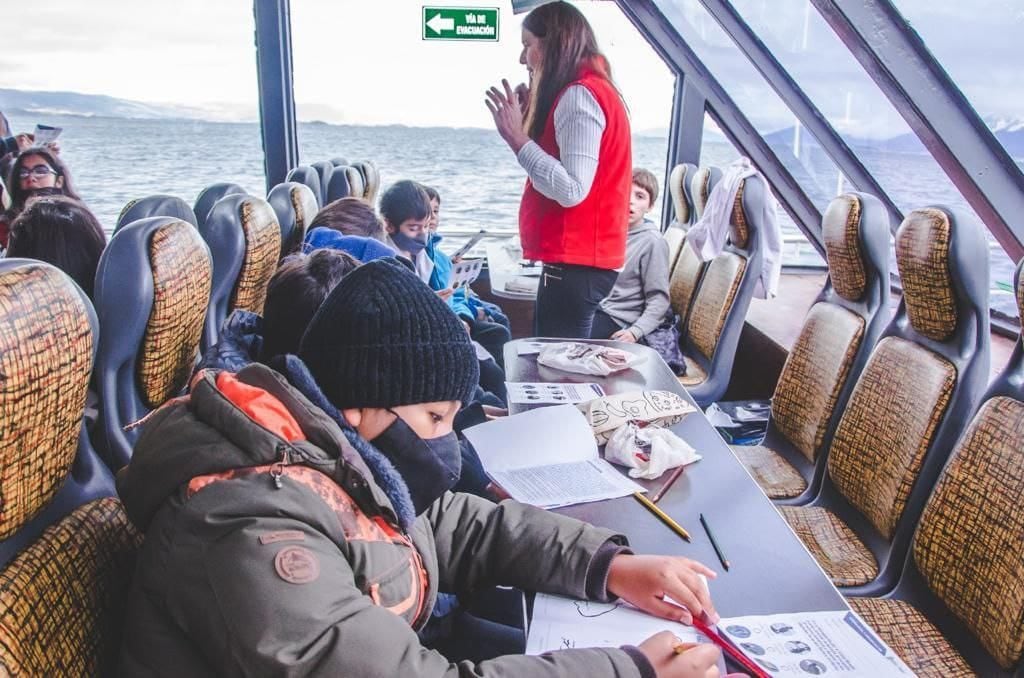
(382, 338)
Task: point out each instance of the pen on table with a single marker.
(665, 518)
(714, 543)
(667, 484)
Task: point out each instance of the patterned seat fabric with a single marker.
(773, 473)
(371, 180)
(700, 189)
(922, 250)
(969, 543)
(695, 374)
(677, 189)
(887, 428)
(62, 598)
(845, 559)
(182, 275)
(840, 227)
(262, 247)
(714, 300)
(915, 639)
(685, 279)
(46, 352)
(356, 184)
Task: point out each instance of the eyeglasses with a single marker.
(39, 172)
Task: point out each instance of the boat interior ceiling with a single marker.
(890, 346)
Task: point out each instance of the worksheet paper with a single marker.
(836, 643)
(541, 393)
(547, 457)
(564, 623)
(465, 272)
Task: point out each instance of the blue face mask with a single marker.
(429, 467)
(409, 244)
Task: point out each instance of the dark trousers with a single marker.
(603, 327)
(567, 298)
(493, 337)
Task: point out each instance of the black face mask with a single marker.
(409, 244)
(429, 467)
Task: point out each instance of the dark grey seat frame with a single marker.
(304, 174)
(159, 205)
(209, 197)
(280, 199)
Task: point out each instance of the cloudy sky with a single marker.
(365, 62)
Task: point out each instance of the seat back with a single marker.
(324, 169)
(702, 183)
(209, 197)
(968, 545)
(152, 293)
(920, 384)
(679, 189)
(155, 206)
(684, 280)
(719, 307)
(339, 188)
(295, 207)
(356, 183)
(371, 180)
(840, 328)
(338, 160)
(304, 174)
(66, 547)
(245, 243)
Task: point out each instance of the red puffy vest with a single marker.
(592, 233)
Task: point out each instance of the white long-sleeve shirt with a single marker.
(579, 124)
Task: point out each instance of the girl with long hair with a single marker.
(570, 132)
(36, 171)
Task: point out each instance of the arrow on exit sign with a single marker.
(460, 23)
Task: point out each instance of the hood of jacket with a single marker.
(214, 430)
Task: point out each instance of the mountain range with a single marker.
(1009, 131)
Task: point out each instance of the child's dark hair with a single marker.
(402, 201)
(646, 180)
(298, 287)
(432, 193)
(349, 216)
(63, 232)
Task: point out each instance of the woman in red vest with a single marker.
(575, 147)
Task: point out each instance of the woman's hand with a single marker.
(695, 662)
(645, 581)
(624, 335)
(507, 111)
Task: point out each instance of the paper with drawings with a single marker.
(836, 643)
(540, 393)
(465, 272)
(547, 457)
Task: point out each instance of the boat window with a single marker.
(718, 151)
(152, 98)
(846, 95)
(374, 89)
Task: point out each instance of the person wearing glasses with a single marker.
(36, 171)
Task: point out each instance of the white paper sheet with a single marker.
(465, 272)
(814, 644)
(540, 393)
(548, 457)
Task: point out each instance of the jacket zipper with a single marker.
(277, 470)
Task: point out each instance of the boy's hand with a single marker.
(446, 293)
(645, 582)
(694, 662)
(624, 335)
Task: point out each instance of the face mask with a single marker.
(429, 467)
(407, 244)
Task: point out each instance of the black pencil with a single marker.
(718, 549)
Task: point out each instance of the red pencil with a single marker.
(667, 484)
(728, 648)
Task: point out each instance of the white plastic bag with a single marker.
(586, 358)
(648, 451)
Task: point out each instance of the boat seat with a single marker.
(679, 189)
(209, 197)
(295, 207)
(963, 587)
(48, 465)
(66, 548)
(837, 336)
(152, 292)
(911, 401)
(371, 180)
(702, 183)
(304, 174)
(684, 280)
(356, 183)
(339, 188)
(338, 160)
(324, 170)
(718, 308)
(155, 206)
(245, 243)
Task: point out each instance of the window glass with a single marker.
(845, 94)
(716, 150)
(416, 107)
(152, 98)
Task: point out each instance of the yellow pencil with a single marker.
(676, 527)
(683, 647)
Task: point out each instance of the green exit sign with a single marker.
(460, 23)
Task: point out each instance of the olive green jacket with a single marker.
(271, 552)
